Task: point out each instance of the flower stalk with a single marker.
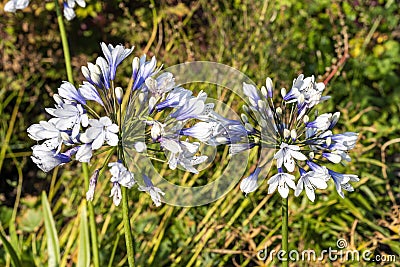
(285, 241)
(85, 168)
(64, 42)
(129, 241)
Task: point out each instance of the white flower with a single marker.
(322, 122)
(13, 5)
(282, 181)
(344, 141)
(69, 12)
(120, 174)
(342, 181)
(158, 87)
(155, 192)
(175, 98)
(161, 85)
(309, 181)
(89, 92)
(114, 56)
(46, 130)
(69, 6)
(47, 160)
(201, 130)
(102, 130)
(192, 108)
(69, 116)
(250, 184)
(186, 157)
(68, 91)
(116, 194)
(84, 153)
(285, 156)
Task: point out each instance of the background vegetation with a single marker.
(276, 38)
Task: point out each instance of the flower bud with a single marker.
(244, 118)
(306, 119)
(135, 66)
(278, 110)
(286, 133)
(140, 146)
(269, 86)
(264, 91)
(92, 185)
(311, 155)
(293, 134)
(249, 127)
(283, 92)
(328, 141)
(246, 109)
(86, 73)
(119, 94)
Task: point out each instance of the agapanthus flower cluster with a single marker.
(151, 122)
(69, 5)
(303, 138)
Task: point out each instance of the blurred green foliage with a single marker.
(272, 38)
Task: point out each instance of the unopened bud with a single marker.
(85, 72)
(269, 86)
(328, 141)
(244, 118)
(92, 185)
(311, 155)
(246, 109)
(249, 127)
(286, 133)
(119, 94)
(293, 134)
(261, 104)
(283, 92)
(140, 146)
(264, 91)
(135, 66)
(306, 119)
(278, 110)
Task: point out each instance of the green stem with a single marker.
(92, 222)
(285, 241)
(64, 41)
(130, 249)
(85, 169)
(129, 241)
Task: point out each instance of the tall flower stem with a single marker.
(130, 249)
(129, 241)
(92, 222)
(64, 42)
(285, 241)
(85, 169)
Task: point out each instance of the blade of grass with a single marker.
(53, 247)
(11, 251)
(110, 263)
(84, 244)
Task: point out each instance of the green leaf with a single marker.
(84, 245)
(53, 247)
(11, 251)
